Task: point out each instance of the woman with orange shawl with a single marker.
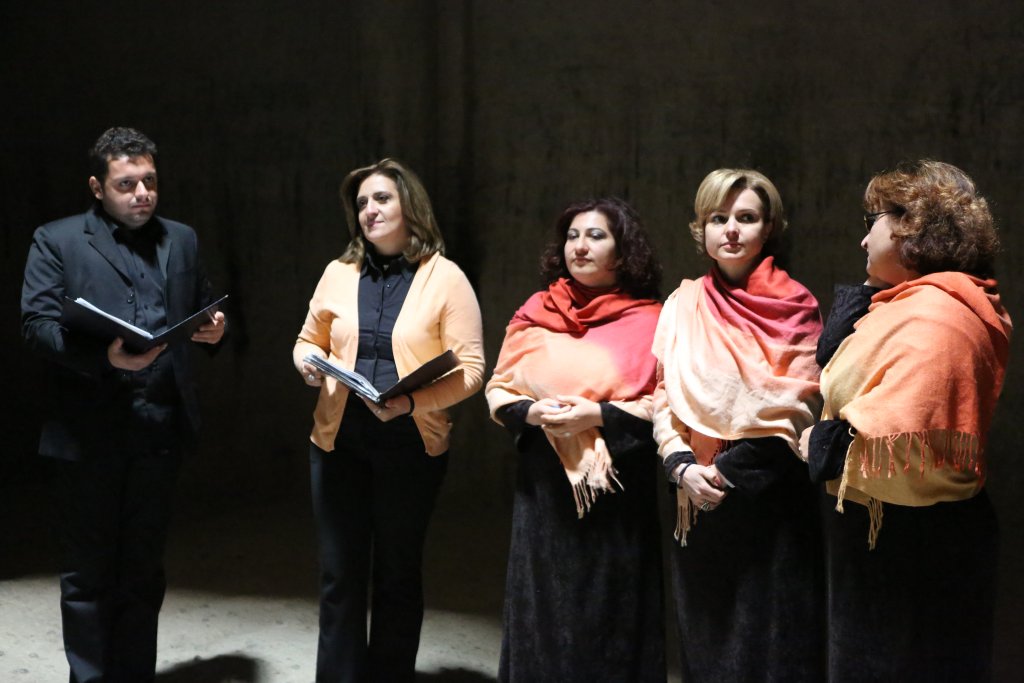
(583, 597)
(738, 384)
(909, 397)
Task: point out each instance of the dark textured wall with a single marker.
(508, 110)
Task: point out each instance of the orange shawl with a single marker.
(736, 362)
(918, 380)
(572, 340)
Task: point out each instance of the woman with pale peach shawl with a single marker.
(914, 364)
(583, 598)
(738, 385)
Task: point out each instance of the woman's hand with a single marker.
(805, 443)
(575, 415)
(392, 408)
(703, 486)
(542, 408)
(310, 375)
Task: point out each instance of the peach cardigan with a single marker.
(440, 312)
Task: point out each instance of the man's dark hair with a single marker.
(116, 143)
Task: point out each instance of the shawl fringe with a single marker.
(875, 524)
(588, 488)
(686, 517)
(960, 450)
(935, 448)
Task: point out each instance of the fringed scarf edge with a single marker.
(963, 451)
(593, 474)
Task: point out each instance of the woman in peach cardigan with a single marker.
(390, 303)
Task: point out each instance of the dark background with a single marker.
(508, 111)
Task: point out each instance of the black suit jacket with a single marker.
(77, 257)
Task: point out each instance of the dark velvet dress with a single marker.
(748, 586)
(919, 607)
(583, 597)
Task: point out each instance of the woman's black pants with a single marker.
(372, 501)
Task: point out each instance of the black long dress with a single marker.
(919, 607)
(583, 597)
(748, 586)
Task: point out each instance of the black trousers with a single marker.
(921, 605)
(113, 509)
(372, 500)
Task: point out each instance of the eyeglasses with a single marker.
(870, 218)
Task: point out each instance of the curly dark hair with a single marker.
(638, 274)
(116, 143)
(944, 224)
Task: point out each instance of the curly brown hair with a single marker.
(638, 274)
(944, 224)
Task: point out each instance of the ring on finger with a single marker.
(705, 506)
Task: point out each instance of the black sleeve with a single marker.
(674, 460)
(513, 417)
(829, 442)
(753, 465)
(850, 305)
(42, 301)
(625, 433)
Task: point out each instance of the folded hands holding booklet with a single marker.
(422, 376)
(82, 316)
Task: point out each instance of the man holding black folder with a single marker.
(118, 422)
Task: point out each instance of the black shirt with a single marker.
(384, 283)
(154, 396)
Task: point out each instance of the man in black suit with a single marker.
(118, 422)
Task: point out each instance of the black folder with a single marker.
(81, 316)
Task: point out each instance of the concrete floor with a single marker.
(241, 601)
(240, 605)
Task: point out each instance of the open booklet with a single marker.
(82, 316)
(421, 376)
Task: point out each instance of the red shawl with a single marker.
(570, 339)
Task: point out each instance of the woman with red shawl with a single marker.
(914, 364)
(583, 597)
(738, 384)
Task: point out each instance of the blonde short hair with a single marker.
(716, 188)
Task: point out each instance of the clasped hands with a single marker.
(565, 416)
(703, 485)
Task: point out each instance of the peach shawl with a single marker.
(918, 380)
(571, 340)
(736, 362)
